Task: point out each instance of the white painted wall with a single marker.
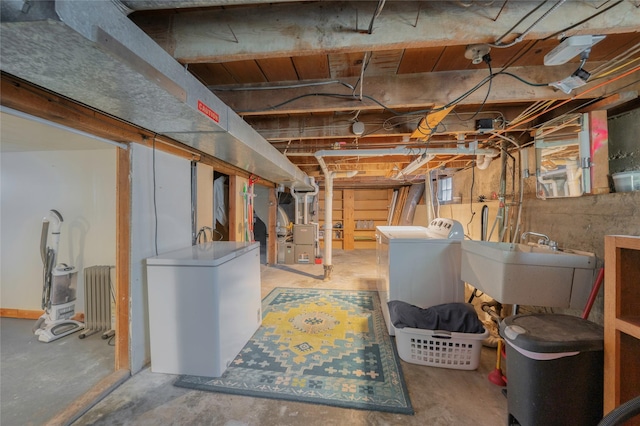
(80, 184)
(173, 207)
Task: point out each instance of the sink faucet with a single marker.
(524, 236)
(203, 233)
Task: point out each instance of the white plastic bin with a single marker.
(627, 181)
(437, 348)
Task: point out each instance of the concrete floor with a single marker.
(37, 380)
(439, 396)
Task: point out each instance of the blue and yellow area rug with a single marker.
(326, 347)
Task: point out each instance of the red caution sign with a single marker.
(208, 111)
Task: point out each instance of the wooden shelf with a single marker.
(630, 326)
(621, 322)
(356, 208)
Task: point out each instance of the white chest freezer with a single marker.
(419, 265)
(204, 305)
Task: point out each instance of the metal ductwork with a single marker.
(175, 4)
(92, 53)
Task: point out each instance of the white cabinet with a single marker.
(204, 305)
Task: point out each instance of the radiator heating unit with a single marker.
(97, 301)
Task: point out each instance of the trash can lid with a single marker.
(552, 333)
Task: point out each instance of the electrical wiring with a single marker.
(365, 64)
(604, 74)
(587, 103)
(564, 30)
(528, 83)
(528, 30)
(506, 139)
(376, 14)
(497, 43)
(584, 93)
(287, 86)
(406, 119)
(486, 59)
(393, 111)
(473, 181)
(617, 60)
(500, 116)
(532, 110)
(155, 205)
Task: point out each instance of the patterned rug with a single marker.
(320, 346)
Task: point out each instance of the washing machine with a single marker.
(419, 265)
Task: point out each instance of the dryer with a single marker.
(419, 265)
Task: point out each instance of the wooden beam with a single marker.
(278, 30)
(405, 91)
(611, 101)
(25, 97)
(318, 127)
(20, 313)
(123, 257)
(272, 240)
(90, 398)
(348, 223)
(232, 214)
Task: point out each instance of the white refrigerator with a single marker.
(204, 306)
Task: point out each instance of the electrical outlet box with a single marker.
(484, 125)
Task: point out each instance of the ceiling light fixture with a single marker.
(577, 79)
(570, 47)
(476, 52)
(358, 128)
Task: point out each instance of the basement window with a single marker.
(445, 189)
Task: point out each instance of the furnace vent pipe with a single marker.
(328, 213)
(483, 161)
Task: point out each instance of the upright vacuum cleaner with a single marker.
(58, 289)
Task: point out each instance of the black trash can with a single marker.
(554, 370)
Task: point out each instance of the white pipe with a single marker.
(524, 173)
(398, 150)
(425, 154)
(402, 150)
(496, 134)
(328, 225)
(328, 213)
(296, 214)
(428, 183)
(483, 161)
(316, 188)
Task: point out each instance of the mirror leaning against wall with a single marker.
(563, 157)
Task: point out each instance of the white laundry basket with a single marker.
(437, 348)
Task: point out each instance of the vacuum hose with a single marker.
(43, 240)
(48, 254)
(56, 215)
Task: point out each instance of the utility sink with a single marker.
(525, 274)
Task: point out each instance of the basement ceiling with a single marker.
(304, 73)
(345, 78)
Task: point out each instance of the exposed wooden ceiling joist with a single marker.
(230, 34)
